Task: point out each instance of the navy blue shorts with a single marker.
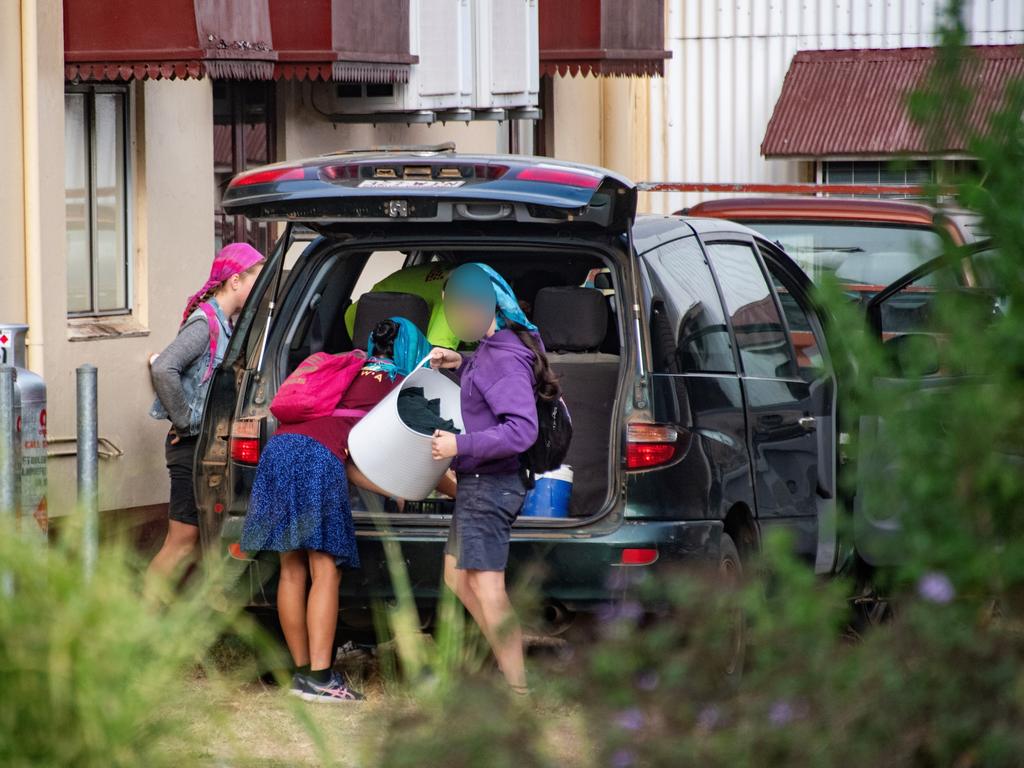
(485, 508)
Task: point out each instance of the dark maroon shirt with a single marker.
(368, 389)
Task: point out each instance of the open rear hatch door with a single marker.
(436, 187)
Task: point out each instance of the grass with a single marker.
(269, 728)
(261, 722)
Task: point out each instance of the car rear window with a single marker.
(863, 256)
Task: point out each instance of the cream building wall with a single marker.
(12, 212)
(172, 182)
(171, 207)
(601, 121)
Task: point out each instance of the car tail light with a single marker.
(270, 175)
(245, 441)
(565, 176)
(489, 172)
(650, 445)
(638, 556)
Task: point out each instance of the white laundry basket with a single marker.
(394, 456)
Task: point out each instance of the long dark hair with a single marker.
(545, 380)
(384, 335)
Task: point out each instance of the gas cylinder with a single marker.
(30, 424)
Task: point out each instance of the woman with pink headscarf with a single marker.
(181, 376)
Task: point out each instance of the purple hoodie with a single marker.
(499, 408)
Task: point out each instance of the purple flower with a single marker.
(709, 717)
(618, 578)
(631, 719)
(647, 681)
(936, 587)
(620, 610)
(623, 758)
(781, 713)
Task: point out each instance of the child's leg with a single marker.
(456, 581)
(499, 623)
(291, 605)
(322, 609)
(178, 546)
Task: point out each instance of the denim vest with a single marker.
(192, 377)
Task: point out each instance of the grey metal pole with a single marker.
(8, 459)
(88, 466)
(8, 453)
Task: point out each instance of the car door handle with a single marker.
(808, 423)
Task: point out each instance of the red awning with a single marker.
(237, 39)
(854, 102)
(341, 40)
(121, 40)
(602, 37)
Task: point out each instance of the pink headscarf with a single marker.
(232, 260)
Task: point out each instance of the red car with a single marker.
(864, 243)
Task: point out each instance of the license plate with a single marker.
(410, 183)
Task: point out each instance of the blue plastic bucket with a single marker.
(550, 495)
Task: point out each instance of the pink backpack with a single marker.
(314, 388)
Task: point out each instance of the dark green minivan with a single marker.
(691, 360)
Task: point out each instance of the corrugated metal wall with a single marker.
(729, 57)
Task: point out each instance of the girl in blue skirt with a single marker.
(300, 508)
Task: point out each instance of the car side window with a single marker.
(688, 329)
(764, 347)
(806, 345)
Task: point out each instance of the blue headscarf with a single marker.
(508, 306)
(411, 347)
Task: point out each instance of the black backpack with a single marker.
(554, 434)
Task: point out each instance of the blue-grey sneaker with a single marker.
(334, 690)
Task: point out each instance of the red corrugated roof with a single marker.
(854, 102)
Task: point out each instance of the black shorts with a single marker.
(180, 458)
(485, 508)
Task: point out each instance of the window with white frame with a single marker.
(877, 172)
(96, 189)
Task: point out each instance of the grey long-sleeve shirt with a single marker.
(191, 342)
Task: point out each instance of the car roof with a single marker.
(818, 208)
(650, 230)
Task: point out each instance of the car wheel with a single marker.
(730, 572)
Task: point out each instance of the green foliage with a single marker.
(476, 725)
(92, 674)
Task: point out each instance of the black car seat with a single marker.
(573, 323)
(603, 282)
(376, 306)
(371, 309)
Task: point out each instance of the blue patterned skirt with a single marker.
(300, 501)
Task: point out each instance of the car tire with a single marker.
(730, 571)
